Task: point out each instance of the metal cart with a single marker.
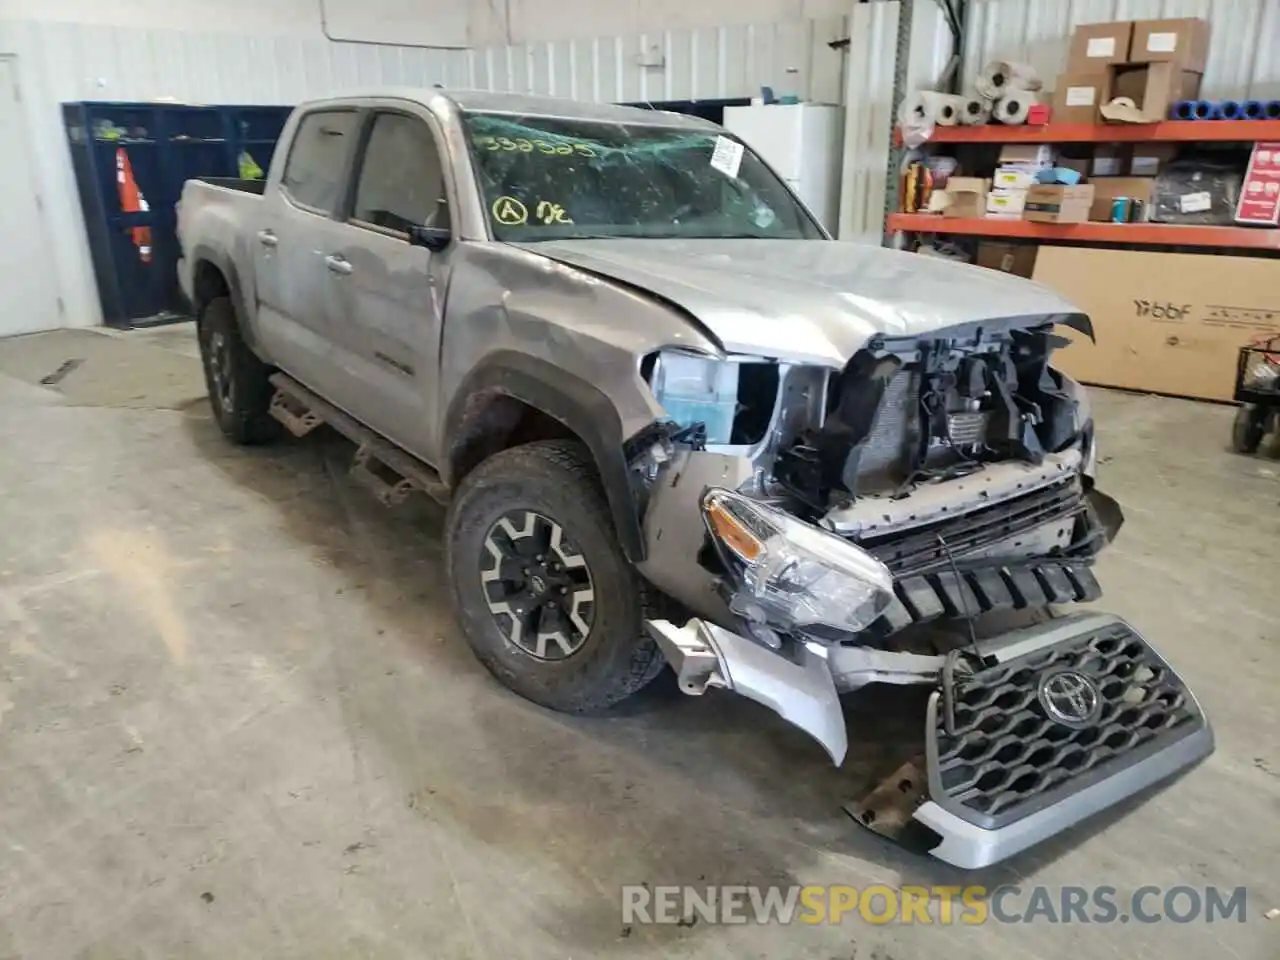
(1258, 392)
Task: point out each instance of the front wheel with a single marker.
(548, 602)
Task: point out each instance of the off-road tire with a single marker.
(241, 409)
(557, 479)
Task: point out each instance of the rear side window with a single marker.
(317, 159)
(401, 179)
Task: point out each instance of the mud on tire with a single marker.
(239, 391)
(555, 483)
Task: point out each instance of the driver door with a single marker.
(386, 302)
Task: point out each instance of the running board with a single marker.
(389, 472)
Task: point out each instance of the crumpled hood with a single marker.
(808, 300)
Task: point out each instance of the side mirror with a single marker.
(433, 238)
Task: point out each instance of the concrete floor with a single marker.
(237, 719)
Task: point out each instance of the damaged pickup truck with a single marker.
(676, 424)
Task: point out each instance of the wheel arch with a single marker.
(511, 399)
(213, 275)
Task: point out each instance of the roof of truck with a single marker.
(528, 104)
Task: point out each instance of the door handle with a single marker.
(267, 238)
(338, 264)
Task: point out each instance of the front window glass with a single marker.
(549, 178)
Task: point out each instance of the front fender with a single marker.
(573, 402)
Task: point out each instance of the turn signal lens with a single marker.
(732, 532)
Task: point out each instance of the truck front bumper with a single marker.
(1059, 722)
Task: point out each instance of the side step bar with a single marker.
(379, 465)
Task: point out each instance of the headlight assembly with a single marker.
(790, 575)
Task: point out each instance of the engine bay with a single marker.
(904, 412)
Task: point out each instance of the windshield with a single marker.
(550, 178)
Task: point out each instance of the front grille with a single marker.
(1009, 758)
(1029, 585)
(919, 551)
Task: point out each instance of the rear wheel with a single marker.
(548, 602)
(239, 391)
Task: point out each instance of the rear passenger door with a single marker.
(293, 282)
(386, 300)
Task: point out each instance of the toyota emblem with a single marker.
(1069, 698)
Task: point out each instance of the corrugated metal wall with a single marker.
(60, 62)
(1244, 55)
(868, 104)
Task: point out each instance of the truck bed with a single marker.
(257, 187)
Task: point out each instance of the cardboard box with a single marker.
(1013, 177)
(1165, 322)
(1094, 45)
(1077, 97)
(1006, 203)
(1027, 155)
(1106, 189)
(1016, 258)
(1154, 88)
(1054, 203)
(1149, 158)
(966, 197)
(1182, 41)
(1081, 165)
(1109, 160)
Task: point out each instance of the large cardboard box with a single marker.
(1153, 87)
(1016, 258)
(1077, 96)
(1106, 189)
(1165, 322)
(1094, 45)
(1183, 41)
(1054, 203)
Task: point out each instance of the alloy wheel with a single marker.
(537, 585)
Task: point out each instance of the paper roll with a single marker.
(1254, 109)
(1000, 76)
(950, 110)
(1184, 110)
(976, 111)
(927, 106)
(1013, 107)
(1228, 110)
(1272, 111)
(922, 110)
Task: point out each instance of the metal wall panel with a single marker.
(60, 62)
(868, 105)
(1244, 52)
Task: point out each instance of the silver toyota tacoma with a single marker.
(676, 424)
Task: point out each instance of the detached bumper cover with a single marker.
(1009, 774)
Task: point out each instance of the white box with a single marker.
(1006, 203)
(1014, 177)
(1028, 155)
